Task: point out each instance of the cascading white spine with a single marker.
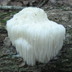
(35, 37)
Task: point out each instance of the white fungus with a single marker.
(35, 37)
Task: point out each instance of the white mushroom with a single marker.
(35, 37)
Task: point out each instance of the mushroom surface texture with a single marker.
(35, 37)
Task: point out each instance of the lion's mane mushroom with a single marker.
(35, 37)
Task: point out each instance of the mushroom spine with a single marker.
(35, 37)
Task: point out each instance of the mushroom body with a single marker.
(35, 37)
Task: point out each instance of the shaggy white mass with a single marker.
(35, 37)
